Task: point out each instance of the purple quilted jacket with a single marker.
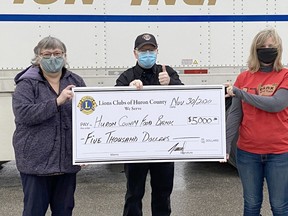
(42, 140)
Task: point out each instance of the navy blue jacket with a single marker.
(147, 76)
(42, 140)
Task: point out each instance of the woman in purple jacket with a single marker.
(43, 137)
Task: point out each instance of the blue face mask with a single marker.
(52, 64)
(147, 59)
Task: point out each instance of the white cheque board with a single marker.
(155, 124)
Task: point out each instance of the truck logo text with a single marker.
(133, 2)
(172, 2)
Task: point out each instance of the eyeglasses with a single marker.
(147, 51)
(48, 55)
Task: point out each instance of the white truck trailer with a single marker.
(206, 41)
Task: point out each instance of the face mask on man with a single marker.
(147, 59)
(52, 64)
(267, 55)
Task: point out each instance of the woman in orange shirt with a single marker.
(259, 113)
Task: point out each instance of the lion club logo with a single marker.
(87, 105)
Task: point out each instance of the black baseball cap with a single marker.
(144, 39)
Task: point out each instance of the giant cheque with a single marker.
(154, 124)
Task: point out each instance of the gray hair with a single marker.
(47, 43)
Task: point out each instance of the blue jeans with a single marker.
(253, 169)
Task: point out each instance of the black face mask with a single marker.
(267, 55)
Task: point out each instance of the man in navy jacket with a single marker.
(147, 72)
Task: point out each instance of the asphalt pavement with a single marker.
(200, 189)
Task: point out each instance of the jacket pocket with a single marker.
(39, 146)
